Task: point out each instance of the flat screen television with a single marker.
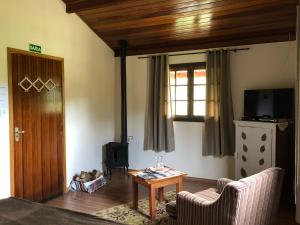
(269, 104)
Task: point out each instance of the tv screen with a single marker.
(269, 103)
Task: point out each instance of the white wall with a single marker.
(264, 66)
(89, 78)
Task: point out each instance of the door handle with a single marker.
(18, 133)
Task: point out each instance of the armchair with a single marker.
(249, 201)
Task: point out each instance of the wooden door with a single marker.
(37, 125)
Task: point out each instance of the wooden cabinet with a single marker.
(260, 145)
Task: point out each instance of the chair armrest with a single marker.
(221, 183)
(189, 207)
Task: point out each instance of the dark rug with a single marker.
(21, 212)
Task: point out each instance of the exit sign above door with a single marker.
(35, 48)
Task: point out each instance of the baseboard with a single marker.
(202, 180)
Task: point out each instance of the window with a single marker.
(188, 91)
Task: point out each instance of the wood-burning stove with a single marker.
(116, 156)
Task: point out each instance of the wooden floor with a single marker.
(118, 191)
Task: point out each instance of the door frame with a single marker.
(11, 51)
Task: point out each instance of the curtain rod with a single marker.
(195, 53)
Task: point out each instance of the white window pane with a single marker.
(200, 76)
(181, 108)
(172, 78)
(199, 108)
(181, 77)
(172, 92)
(173, 107)
(199, 92)
(181, 93)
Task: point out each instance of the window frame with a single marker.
(190, 67)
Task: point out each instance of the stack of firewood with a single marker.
(87, 176)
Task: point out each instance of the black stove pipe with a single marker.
(123, 47)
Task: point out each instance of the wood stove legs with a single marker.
(126, 170)
(109, 173)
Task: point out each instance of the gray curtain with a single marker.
(219, 129)
(159, 131)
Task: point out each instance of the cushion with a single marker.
(208, 194)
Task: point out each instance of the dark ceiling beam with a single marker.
(75, 7)
(273, 37)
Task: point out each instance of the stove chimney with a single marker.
(123, 47)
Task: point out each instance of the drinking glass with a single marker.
(157, 162)
(161, 162)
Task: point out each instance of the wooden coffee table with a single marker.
(152, 185)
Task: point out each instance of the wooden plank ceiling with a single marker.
(156, 26)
